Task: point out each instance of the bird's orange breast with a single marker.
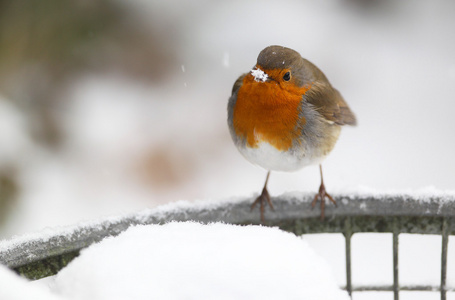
(268, 112)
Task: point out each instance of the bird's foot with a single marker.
(263, 198)
(322, 194)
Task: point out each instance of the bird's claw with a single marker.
(322, 194)
(263, 198)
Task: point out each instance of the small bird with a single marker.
(284, 115)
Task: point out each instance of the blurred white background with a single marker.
(112, 107)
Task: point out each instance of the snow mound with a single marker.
(13, 287)
(189, 260)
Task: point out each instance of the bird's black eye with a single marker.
(287, 76)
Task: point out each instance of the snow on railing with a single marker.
(45, 253)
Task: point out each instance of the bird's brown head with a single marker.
(282, 64)
(276, 61)
(278, 57)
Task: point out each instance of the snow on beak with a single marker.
(259, 75)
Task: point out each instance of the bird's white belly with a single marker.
(270, 158)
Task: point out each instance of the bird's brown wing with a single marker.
(330, 104)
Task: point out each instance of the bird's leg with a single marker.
(322, 194)
(263, 198)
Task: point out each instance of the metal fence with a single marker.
(37, 256)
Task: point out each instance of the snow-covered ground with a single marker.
(392, 61)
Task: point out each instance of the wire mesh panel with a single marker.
(36, 256)
(399, 224)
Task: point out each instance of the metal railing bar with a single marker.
(445, 244)
(396, 286)
(389, 288)
(368, 213)
(347, 236)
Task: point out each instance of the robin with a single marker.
(284, 115)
